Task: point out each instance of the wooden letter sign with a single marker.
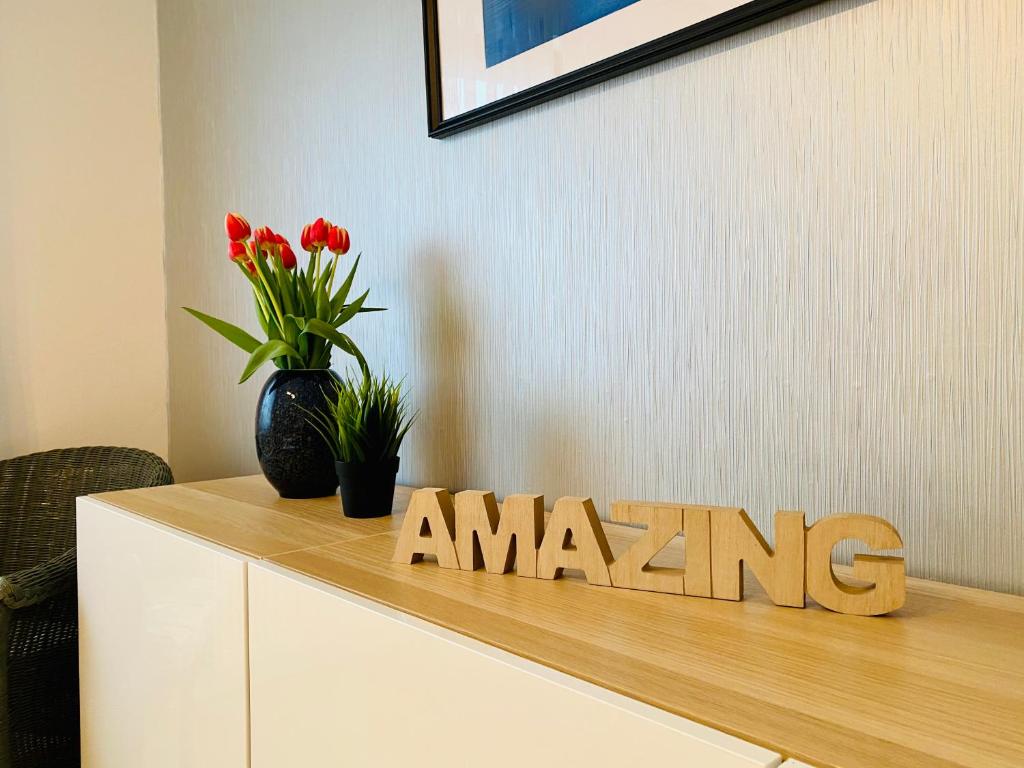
(472, 533)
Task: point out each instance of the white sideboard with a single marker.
(193, 656)
(337, 679)
(163, 645)
(224, 627)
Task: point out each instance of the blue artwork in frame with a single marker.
(488, 58)
(514, 26)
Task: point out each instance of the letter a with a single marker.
(575, 539)
(428, 529)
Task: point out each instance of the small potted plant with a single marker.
(364, 422)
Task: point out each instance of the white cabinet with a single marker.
(337, 680)
(194, 656)
(163, 646)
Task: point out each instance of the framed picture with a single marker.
(488, 58)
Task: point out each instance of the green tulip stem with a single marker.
(270, 294)
(262, 302)
(334, 267)
(282, 278)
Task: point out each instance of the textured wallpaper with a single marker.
(782, 271)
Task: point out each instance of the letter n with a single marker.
(735, 542)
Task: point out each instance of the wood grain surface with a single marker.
(939, 683)
(247, 515)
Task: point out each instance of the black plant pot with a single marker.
(292, 454)
(367, 489)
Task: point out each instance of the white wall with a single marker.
(83, 355)
(783, 271)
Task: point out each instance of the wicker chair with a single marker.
(38, 600)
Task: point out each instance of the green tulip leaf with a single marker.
(305, 297)
(338, 300)
(232, 333)
(299, 321)
(269, 350)
(337, 338)
(350, 311)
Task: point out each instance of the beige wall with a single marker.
(783, 271)
(83, 356)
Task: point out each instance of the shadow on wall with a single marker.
(13, 403)
(443, 434)
(545, 452)
(13, 400)
(818, 10)
(9, 397)
(559, 464)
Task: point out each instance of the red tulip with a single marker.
(287, 256)
(265, 238)
(250, 266)
(307, 238)
(280, 239)
(236, 227)
(338, 241)
(236, 251)
(318, 233)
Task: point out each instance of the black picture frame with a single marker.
(738, 19)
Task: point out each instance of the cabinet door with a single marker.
(341, 681)
(163, 646)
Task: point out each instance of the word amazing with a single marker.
(468, 533)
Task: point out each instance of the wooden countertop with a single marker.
(245, 514)
(940, 683)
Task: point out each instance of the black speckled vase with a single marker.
(293, 456)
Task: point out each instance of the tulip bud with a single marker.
(318, 233)
(287, 256)
(237, 227)
(338, 241)
(307, 239)
(236, 251)
(265, 238)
